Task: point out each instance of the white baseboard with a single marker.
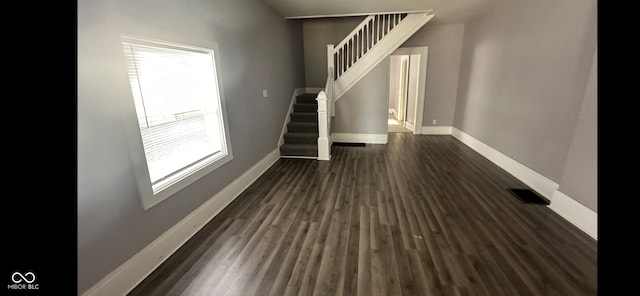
(394, 112)
(360, 138)
(409, 125)
(437, 130)
(124, 278)
(576, 213)
(543, 185)
(571, 210)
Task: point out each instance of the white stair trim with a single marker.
(360, 138)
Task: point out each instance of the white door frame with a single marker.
(423, 51)
(403, 89)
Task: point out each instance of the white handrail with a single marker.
(354, 31)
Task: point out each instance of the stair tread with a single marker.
(305, 108)
(301, 134)
(303, 123)
(305, 114)
(300, 145)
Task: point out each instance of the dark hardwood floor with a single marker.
(422, 215)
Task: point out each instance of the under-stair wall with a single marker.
(362, 112)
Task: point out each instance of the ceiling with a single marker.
(446, 11)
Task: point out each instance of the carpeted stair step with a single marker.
(301, 138)
(305, 107)
(304, 116)
(302, 127)
(310, 150)
(306, 99)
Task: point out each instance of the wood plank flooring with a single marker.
(422, 215)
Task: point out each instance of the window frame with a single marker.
(138, 159)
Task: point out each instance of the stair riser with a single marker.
(306, 117)
(298, 152)
(301, 139)
(305, 108)
(302, 128)
(306, 100)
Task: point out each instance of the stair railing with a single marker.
(358, 43)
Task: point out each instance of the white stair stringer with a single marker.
(394, 39)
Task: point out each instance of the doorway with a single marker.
(407, 81)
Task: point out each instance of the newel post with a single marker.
(324, 150)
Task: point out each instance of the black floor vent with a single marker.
(349, 144)
(528, 196)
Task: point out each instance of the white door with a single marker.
(407, 87)
(412, 91)
(403, 89)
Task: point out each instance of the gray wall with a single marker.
(254, 43)
(445, 46)
(317, 34)
(523, 76)
(580, 178)
(365, 107)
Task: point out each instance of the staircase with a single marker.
(308, 134)
(301, 139)
(374, 39)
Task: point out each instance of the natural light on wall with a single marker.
(177, 100)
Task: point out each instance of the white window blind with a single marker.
(177, 103)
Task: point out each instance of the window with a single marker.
(181, 116)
